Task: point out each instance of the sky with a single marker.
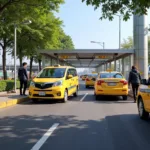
(82, 23)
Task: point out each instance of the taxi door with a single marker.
(69, 82)
(145, 96)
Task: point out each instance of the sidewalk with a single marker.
(10, 99)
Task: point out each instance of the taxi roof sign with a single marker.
(109, 70)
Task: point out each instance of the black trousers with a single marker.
(135, 88)
(23, 84)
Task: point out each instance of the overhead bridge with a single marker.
(101, 59)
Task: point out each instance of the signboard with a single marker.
(64, 57)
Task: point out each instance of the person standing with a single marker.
(23, 77)
(134, 80)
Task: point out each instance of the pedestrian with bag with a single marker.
(135, 81)
(23, 78)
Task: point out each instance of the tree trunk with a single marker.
(40, 65)
(20, 60)
(4, 63)
(31, 62)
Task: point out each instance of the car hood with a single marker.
(43, 80)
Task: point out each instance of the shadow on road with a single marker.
(107, 99)
(118, 132)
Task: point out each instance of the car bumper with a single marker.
(114, 92)
(89, 83)
(53, 93)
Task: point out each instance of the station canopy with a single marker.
(87, 58)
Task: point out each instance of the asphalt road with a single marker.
(80, 124)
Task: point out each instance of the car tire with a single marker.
(142, 112)
(65, 99)
(87, 86)
(96, 97)
(34, 100)
(125, 97)
(76, 93)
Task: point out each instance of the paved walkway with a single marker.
(4, 96)
(10, 99)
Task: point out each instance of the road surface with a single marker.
(80, 124)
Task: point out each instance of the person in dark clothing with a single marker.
(23, 77)
(135, 81)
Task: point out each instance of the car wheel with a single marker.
(142, 112)
(65, 99)
(96, 97)
(125, 97)
(76, 93)
(87, 86)
(34, 100)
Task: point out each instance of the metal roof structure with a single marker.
(87, 58)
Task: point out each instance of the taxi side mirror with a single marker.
(70, 76)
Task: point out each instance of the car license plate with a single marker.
(112, 84)
(41, 93)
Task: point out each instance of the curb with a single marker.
(12, 102)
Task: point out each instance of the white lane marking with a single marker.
(83, 97)
(43, 139)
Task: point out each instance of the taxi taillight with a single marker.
(99, 82)
(87, 79)
(124, 82)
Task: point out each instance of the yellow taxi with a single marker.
(55, 82)
(90, 80)
(84, 77)
(111, 83)
(143, 100)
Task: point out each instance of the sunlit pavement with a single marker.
(80, 124)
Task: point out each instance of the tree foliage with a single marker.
(124, 7)
(128, 44)
(43, 33)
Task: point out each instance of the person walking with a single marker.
(134, 80)
(23, 77)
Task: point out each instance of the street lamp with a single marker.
(101, 43)
(15, 49)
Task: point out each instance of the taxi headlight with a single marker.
(32, 84)
(145, 90)
(58, 83)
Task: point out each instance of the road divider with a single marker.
(39, 144)
(83, 97)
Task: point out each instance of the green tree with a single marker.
(128, 44)
(124, 7)
(15, 12)
(46, 4)
(65, 41)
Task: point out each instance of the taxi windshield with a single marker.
(111, 75)
(52, 73)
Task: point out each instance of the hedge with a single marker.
(8, 85)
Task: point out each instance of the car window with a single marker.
(52, 73)
(111, 75)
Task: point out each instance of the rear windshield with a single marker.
(92, 76)
(52, 73)
(111, 75)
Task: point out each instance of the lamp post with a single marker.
(100, 43)
(15, 49)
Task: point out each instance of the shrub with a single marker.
(8, 85)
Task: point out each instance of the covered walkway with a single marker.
(101, 59)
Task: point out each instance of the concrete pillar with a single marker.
(43, 61)
(110, 65)
(123, 66)
(141, 44)
(115, 65)
(106, 67)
